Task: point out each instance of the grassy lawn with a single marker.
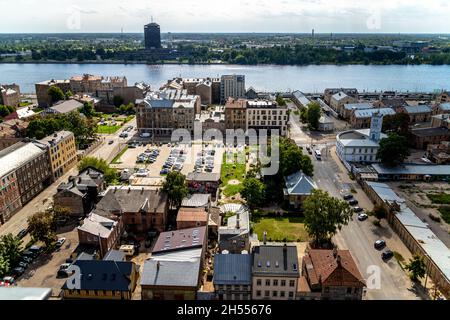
(117, 158)
(231, 171)
(439, 198)
(281, 228)
(107, 129)
(445, 213)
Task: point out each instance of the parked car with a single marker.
(22, 233)
(29, 254)
(353, 202)
(60, 242)
(110, 142)
(379, 244)
(62, 272)
(7, 281)
(22, 264)
(362, 216)
(358, 209)
(18, 271)
(348, 196)
(386, 255)
(164, 171)
(26, 259)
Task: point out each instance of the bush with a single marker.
(434, 218)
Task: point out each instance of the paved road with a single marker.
(44, 199)
(358, 237)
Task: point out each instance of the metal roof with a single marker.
(417, 109)
(196, 200)
(367, 113)
(299, 184)
(362, 105)
(233, 269)
(445, 106)
(21, 293)
(17, 155)
(276, 260)
(424, 169)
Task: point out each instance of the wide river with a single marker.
(309, 79)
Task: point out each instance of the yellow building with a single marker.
(62, 152)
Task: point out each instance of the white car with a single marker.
(60, 242)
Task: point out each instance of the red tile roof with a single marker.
(333, 271)
(192, 214)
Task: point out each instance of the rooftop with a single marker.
(358, 106)
(232, 269)
(368, 113)
(180, 240)
(299, 184)
(424, 169)
(192, 214)
(98, 225)
(429, 132)
(275, 260)
(196, 200)
(358, 138)
(203, 176)
(55, 138)
(17, 155)
(66, 106)
(418, 109)
(339, 96)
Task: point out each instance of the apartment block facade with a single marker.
(232, 86)
(265, 114)
(43, 98)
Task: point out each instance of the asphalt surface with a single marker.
(359, 237)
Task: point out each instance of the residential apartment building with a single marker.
(329, 92)
(421, 138)
(233, 276)
(43, 98)
(141, 209)
(162, 112)
(338, 100)
(211, 120)
(443, 97)
(275, 272)
(62, 152)
(88, 83)
(235, 236)
(330, 275)
(232, 86)
(24, 167)
(268, 115)
(441, 108)
(11, 132)
(10, 95)
(236, 114)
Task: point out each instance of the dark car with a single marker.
(22, 233)
(22, 264)
(29, 254)
(348, 196)
(18, 271)
(379, 244)
(358, 209)
(27, 259)
(388, 254)
(353, 202)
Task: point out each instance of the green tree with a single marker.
(56, 94)
(11, 248)
(280, 100)
(324, 216)
(253, 192)
(68, 94)
(4, 264)
(127, 108)
(176, 188)
(292, 159)
(416, 267)
(393, 150)
(398, 123)
(41, 227)
(87, 109)
(99, 164)
(313, 114)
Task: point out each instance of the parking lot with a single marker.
(151, 159)
(43, 270)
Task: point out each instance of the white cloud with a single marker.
(229, 15)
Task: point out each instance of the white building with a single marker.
(361, 145)
(265, 114)
(232, 86)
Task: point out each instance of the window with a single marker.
(349, 290)
(258, 293)
(327, 289)
(267, 293)
(282, 294)
(274, 293)
(267, 282)
(283, 283)
(291, 283)
(275, 282)
(291, 294)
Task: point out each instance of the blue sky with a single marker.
(384, 16)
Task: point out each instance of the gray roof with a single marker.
(301, 98)
(196, 200)
(429, 132)
(275, 260)
(66, 106)
(358, 106)
(203, 176)
(417, 109)
(171, 273)
(114, 255)
(299, 184)
(232, 269)
(445, 106)
(17, 155)
(367, 113)
(97, 225)
(21, 293)
(424, 169)
(339, 96)
(104, 275)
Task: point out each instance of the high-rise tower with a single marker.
(375, 126)
(152, 34)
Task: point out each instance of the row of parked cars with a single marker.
(125, 132)
(27, 257)
(174, 162)
(205, 161)
(353, 202)
(148, 156)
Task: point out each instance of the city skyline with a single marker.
(287, 16)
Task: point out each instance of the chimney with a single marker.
(264, 237)
(338, 260)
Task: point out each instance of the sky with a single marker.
(292, 16)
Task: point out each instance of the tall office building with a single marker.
(152, 35)
(232, 86)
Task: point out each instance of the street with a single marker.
(357, 236)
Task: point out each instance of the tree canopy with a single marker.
(393, 150)
(99, 164)
(56, 94)
(87, 109)
(253, 192)
(398, 123)
(312, 115)
(176, 188)
(10, 252)
(325, 215)
(416, 267)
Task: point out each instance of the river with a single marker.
(311, 79)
